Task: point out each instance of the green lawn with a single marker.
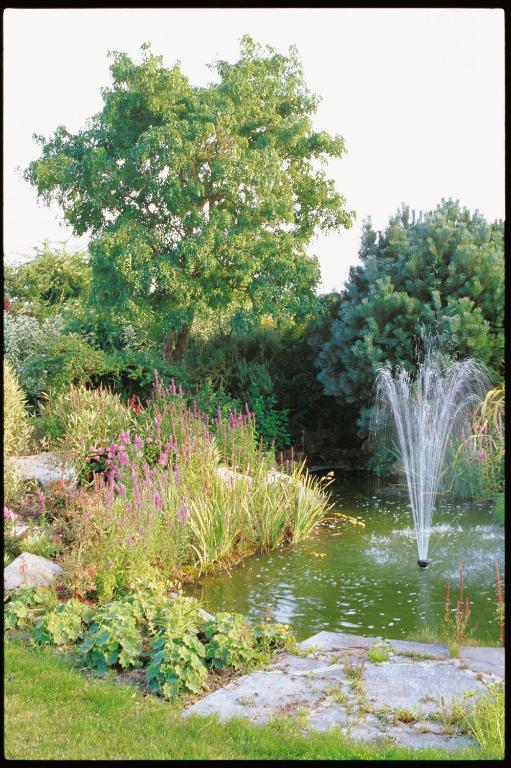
(54, 712)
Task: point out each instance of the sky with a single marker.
(417, 95)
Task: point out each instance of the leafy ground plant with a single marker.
(114, 638)
(177, 655)
(232, 642)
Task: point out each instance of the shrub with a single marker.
(65, 625)
(26, 606)
(16, 430)
(177, 655)
(114, 638)
(25, 336)
(232, 642)
(48, 282)
(65, 360)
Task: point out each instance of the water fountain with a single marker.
(426, 413)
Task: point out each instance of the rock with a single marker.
(261, 696)
(488, 660)
(336, 641)
(230, 476)
(278, 477)
(418, 686)
(45, 468)
(410, 647)
(321, 687)
(29, 570)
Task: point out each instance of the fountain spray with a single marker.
(425, 413)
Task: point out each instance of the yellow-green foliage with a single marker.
(79, 417)
(16, 429)
(486, 722)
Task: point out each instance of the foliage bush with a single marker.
(27, 605)
(25, 336)
(49, 283)
(16, 430)
(232, 642)
(177, 655)
(64, 625)
(113, 639)
(171, 637)
(46, 358)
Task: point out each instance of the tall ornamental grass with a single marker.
(16, 431)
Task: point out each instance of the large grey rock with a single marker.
(363, 702)
(336, 641)
(261, 696)
(232, 477)
(418, 686)
(486, 660)
(29, 570)
(409, 647)
(420, 735)
(45, 468)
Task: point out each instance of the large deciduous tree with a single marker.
(441, 273)
(197, 197)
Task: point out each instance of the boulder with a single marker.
(230, 476)
(278, 477)
(29, 570)
(45, 468)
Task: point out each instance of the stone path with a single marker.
(333, 682)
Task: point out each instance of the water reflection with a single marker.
(365, 580)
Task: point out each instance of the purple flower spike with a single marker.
(157, 501)
(177, 474)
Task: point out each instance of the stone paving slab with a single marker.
(337, 641)
(418, 686)
(366, 701)
(489, 660)
(410, 647)
(261, 696)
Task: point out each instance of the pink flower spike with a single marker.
(9, 514)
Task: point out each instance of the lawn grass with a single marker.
(54, 712)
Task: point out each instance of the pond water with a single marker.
(365, 580)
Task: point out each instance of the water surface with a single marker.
(365, 580)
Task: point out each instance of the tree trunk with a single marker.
(173, 352)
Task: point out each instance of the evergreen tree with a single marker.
(438, 273)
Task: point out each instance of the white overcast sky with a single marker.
(418, 96)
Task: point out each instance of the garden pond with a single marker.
(365, 579)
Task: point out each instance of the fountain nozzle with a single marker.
(422, 563)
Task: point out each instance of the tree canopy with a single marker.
(441, 273)
(197, 197)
